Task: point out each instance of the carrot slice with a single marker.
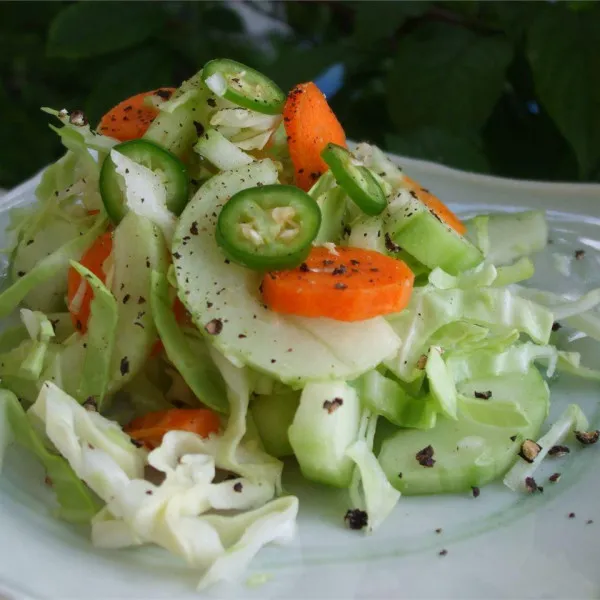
(130, 119)
(351, 284)
(436, 205)
(151, 428)
(310, 125)
(79, 291)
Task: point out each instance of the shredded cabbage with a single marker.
(505, 237)
(571, 420)
(101, 333)
(431, 308)
(370, 489)
(174, 513)
(76, 503)
(146, 193)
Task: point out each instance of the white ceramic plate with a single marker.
(500, 545)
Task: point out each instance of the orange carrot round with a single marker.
(351, 284)
(310, 125)
(436, 205)
(93, 259)
(151, 428)
(130, 119)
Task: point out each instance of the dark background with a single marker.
(510, 88)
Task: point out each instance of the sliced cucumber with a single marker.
(469, 452)
(225, 303)
(369, 233)
(413, 227)
(325, 425)
(273, 415)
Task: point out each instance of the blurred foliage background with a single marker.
(510, 88)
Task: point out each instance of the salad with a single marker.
(213, 279)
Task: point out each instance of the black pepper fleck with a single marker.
(332, 405)
(214, 327)
(124, 366)
(587, 438)
(558, 451)
(483, 395)
(425, 457)
(356, 518)
(237, 487)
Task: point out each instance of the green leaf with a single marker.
(513, 18)
(89, 29)
(138, 71)
(562, 48)
(375, 21)
(461, 152)
(446, 77)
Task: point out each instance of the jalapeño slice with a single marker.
(357, 181)
(243, 86)
(268, 228)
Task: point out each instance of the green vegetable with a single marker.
(199, 374)
(101, 334)
(385, 397)
(325, 425)
(138, 248)
(430, 309)
(243, 86)
(333, 207)
(176, 127)
(416, 229)
(268, 228)
(171, 171)
(441, 384)
(369, 233)
(55, 265)
(357, 181)
(370, 490)
(505, 237)
(76, 503)
(219, 151)
(273, 414)
(571, 420)
(475, 449)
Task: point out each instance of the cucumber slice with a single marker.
(224, 298)
(369, 233)
(471, 451)
(325, 425)
(273, 415)
(413, 227)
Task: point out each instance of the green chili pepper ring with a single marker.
(268, 228)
